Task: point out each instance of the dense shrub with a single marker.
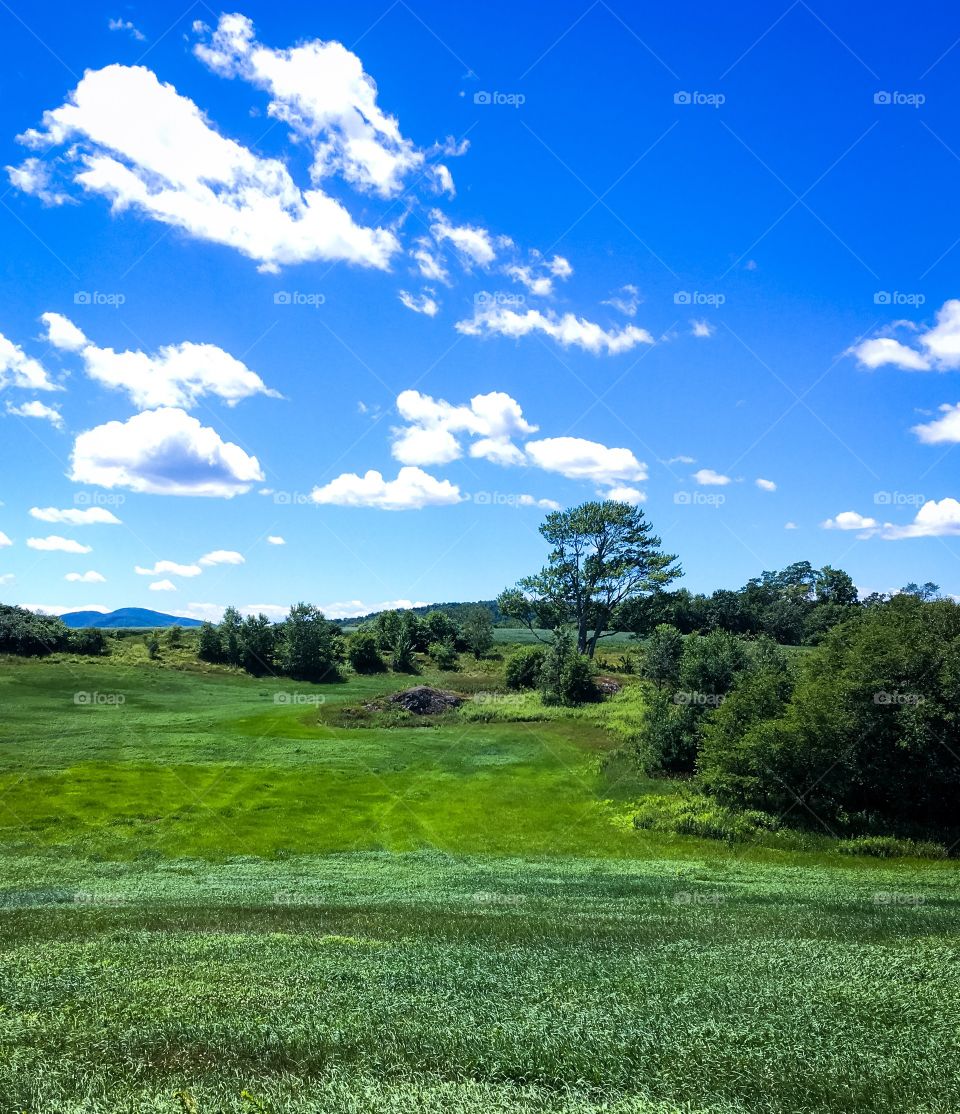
(523, 667)
(30, 634)
(889, 847)
(363, 654)
(90, 641)
(565, 677)
(444, 655)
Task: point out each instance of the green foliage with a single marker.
(208, 644)
(889, 847)
(661, 656)
(29, 633)
(363, 654)
(152, 644)
(696, 815)
(309, 648)
(523, 667)
(477, 631)
(258, 640)
(90, 641)
(566, 676)
(175, 636)
(444, 656)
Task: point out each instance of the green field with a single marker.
(224, 895)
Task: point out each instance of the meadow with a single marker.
(224, 893)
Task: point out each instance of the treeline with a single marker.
(858, 735)
(796, 606)
(455, 611)
(31, 634)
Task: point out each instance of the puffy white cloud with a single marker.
(766, 485)
(55, 544)
(578, 459)
(90, 577)
(126, 25)
(176, 375)
(626, 300)
(222, 557)
(945, 429)
(35, 177)
(624, 494)
(428, 262)
(163, 452)
(936, 349)
(442, 179)
(37, 410)
(567, 330)
(475, 245)
(543, 504)
(420, 303)
(706, 477)
(411, 490)
(701, 328)
(933, 520)
(169, 567)
(320, 90)
(538, 276)
(19, 370)
(7, 578)
(162, 586)
(433, 433)
(275, 539)
(4, 540)
(850, 520)
(790, 526)
(143, 146)
(91, 516)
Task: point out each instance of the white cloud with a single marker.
(433, 433)
(222, 557)
(162, 586)
(700, 328)
(623, 494)
(37, 410)
(7, 578)
(428, 263)
(475, 245)
(90, 577)
(538, 276)
(933, 520)
(126, 25)
(4, 540)
(442, 179)
(35, 177)
(937, 348)
(170, 567)
(626, 300)
(790, 526)
(766, 485)
(182, 172)
(163, 452)
(275, 539)
(945, 429)
(19, 370)
(567, 330)
(682, 460)
(411, 490)
(92, 516)
(706, 477)
(420, 303)
(578, 459)
(850, 520)
(347, 609)
(176, 375)
(55, 544)
(320, 90)
(543, 504)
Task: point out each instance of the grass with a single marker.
(223, 895)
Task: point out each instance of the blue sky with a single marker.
(334, 302)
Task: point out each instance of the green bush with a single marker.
(523, 667)
(566, 677)
(889, 847)
(364, 655)
(444, 656)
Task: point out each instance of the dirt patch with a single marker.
(425, 701)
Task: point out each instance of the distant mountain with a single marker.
(454, 610)
(126, 617)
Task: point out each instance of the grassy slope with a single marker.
(192, 900)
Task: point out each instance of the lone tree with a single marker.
(604, 556)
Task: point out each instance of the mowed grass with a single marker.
(213, 902)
